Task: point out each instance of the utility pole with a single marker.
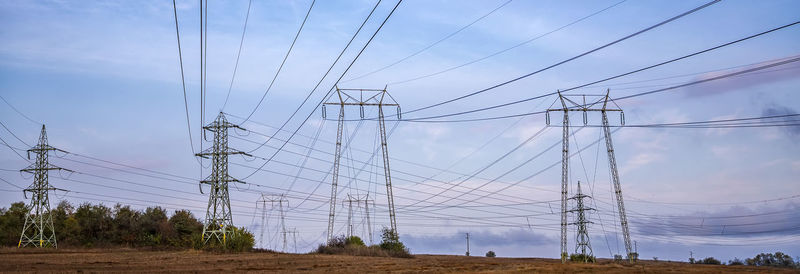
(357, 97)
(583, 246)
(273, 199)
(219, 219)
(467, 244)
(569, 105)
(38, 230)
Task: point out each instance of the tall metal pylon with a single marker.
(569, 105)
(374, 97)
(273, 199)
(38, 230)
(219, 218)
(583, 245)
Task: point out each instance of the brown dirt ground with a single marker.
(130, 260)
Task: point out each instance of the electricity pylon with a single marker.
(583, 246)
(358, 200)
(219, 219)
(272, 199)
(294, 232)
(38, 230)
(569, 105)
(348, 97)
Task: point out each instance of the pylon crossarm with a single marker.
(362, 104)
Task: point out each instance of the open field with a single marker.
(129, 260)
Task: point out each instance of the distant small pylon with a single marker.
(583, 246)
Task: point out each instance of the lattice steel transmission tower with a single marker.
(602, 105)
(38, 229)
(583, 245)
(358, 200)
(292, 231)
(273, 199)
(219, 219)
(356, 97)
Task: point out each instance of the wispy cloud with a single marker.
(734, 221)
(741, 82)
(457, 241)
(775, 110)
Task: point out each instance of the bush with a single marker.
(390, 242)
(354, 241)
(581, 258)
(735, 261)
(239, 240)
(11, 222)
(709, 260)
(354, 246)
(490, 254)
(779, 259)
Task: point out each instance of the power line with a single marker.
(238, 54)
(12, 134)
(430, 45)
(19, 112)
(14, 150)
(567, 60)
(424, 120)
(711, 79)
(608, 78)
(323, 76)
(440, 170)
(282, 62)
(507, 49)
(183, 80)
(331, 89)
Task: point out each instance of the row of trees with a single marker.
(777, 259)
(101, 226)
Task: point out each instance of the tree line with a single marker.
(91, 225)
(777, 259)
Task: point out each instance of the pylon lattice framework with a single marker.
(583, 245)
(38, 229)
(358, 200)
(569, 105)
(219, 219)
(272, 199)
(347, 97)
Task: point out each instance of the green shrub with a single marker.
(354, 246)
(490, 254)
(237, 240)
(392, 244)
(581, 258)
(354, 241)
(778, 259)
(100, 226)
(709, 260)
(735, 261)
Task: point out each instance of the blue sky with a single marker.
(105, 79)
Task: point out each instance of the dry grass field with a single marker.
(130, 260)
